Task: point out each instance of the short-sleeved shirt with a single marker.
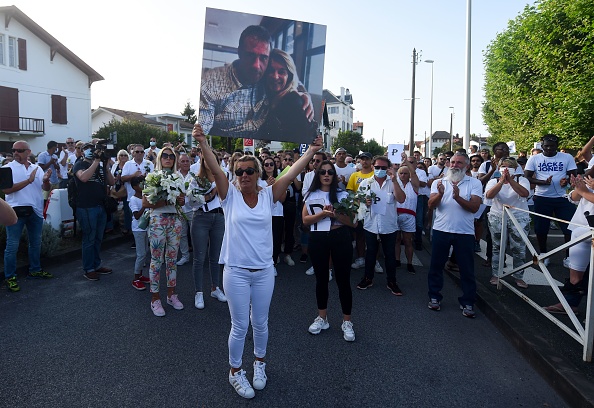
(44, 158)
(424, 178)
(449, 215)
(131, 167)
(434, 171)
(324, 196)
(544, 167)
(69, 162)
(92, 193)
(31, 194)
(356, 179)
(345, 171)
(508, 196)
(135, 204)
(386, 223)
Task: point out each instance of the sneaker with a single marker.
(144, 279)
(365, 283)
(398, 263)
(157, 308)
(174, 301)
(359, 263)
(521, 283)
(566, 262)
(138, 285)
(329, 275)
(310, 271)
(303, 258)
(477, 246)
(393, 286)
(92, 276)
(347, 330)
(547, 261)
(260, 378)
(494, 280)
(199, 300)
(133, 246)
(104, 271)
(467, 311)
(241, 384)
(218, 294)
(411, 269)
(434, 304)
(318, 325)
(289, 261)
(184, 260)
(41, 274)
(12, 284)
(378, 267)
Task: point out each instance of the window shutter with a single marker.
(22, 45)
(59, 114)
(9, 109)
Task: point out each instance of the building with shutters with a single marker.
(45, 89)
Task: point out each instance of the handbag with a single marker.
(143, 221)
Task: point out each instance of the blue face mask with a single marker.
(380, 173)
(88, 154)
(153, 143)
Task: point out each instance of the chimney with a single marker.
(342, 93)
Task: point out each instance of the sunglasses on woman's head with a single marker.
(168, 156)
(249, 171)
(330, 172)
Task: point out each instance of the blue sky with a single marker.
(150, 53)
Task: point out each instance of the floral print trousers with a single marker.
(164, 233)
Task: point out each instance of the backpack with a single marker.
(72, 194)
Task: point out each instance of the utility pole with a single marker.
(451, 129)
(467, 85)
(412, 105)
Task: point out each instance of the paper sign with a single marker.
(316, 206)
(395, 153)
(378, 205)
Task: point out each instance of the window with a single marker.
(59, 109)
(2, 60)
(12, 52)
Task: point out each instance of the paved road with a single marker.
(70, 342)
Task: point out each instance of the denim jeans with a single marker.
(207, 234)
(92, 223)
(142, 250)
(13, 236)
(464, 249)
(422, 202)
(388, 246)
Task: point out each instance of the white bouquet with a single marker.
(163, 185)
(199, 187)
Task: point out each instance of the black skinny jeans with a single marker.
(335, 243)
(289, 214)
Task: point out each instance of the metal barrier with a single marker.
(582, 335)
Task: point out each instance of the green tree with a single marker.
(349, 140)
(289, 145)
(373, 147)
(190, 113)
(539, 75)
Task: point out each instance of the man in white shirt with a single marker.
(343, 170)
(151, 152)
(455, 200)
(66, 160)
(49, 160)
(26, 198)
(137, 167)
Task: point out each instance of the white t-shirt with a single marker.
(30, 195)
(508, 196)
(424, 178)
(146, 151)
(579, 217)
(320, 197)
(307, 180)
(69, 162)
(434, 171)
(544, 167)
(277, 208)
(345, 171)
(410, 202)
(131, 167)
(247, 242)
(135, 204)
(381, 217)
(449, 215)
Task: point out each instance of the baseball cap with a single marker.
(366, 155)
(339, 150)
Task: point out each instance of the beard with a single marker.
(455, 175)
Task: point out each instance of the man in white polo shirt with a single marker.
(455, 199)
(137, 167)
(26, 198)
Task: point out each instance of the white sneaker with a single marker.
(174, 301)
(199, 300)
(184, 260)
(318, 325)
(330, 275)
(289, 261)
(260, 378)
(347, 330)
(310, 271)
(218, 294)
(359, 263)
(378, 267)
(566, 262)
(241, 384)
(157, 308)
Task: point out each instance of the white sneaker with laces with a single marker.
(199, 300)
(359, 263)
(310, 271)
(260, 378)
(330, 275)
(318, 325)
(347, 330)
(289, 261)
(241, 384)
(184, 260)
(566, 262)
(378, 267)
(218, 294)
(173, 300)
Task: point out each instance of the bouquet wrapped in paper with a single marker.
(163, 185)
(353, 204)
(198, 188)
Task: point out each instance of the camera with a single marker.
(104, 149)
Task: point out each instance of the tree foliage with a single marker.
(349, 140)
(190, 113)
(374, 148)
(130, 131)
(539, 75)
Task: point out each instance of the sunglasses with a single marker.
(123, 155)
(380, 167)
(249, 171)
(139, 151)
(330, 172)
(268, 164)
(315, 161)
(168, 156)
(19, 150)
(287, 159)
(69, 142)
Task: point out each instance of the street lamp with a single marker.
(451, 129)
(429, 61)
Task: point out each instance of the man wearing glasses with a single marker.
(26, 198)
(137, 167)
(66, 160)
(550, 171)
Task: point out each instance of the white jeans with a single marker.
(244, 288)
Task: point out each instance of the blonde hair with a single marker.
(508, 162)
(122, 152)
(253, 159)
(158, 161)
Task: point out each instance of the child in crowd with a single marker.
(140, 235)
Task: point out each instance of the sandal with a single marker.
(521, 284)
(558, 309)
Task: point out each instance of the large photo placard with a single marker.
(261, 77)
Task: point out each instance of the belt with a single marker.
(406, 211)
(218, 210)
(254, 270)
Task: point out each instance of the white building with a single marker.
(45, 89)
(340, 112)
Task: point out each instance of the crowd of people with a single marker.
(336, 211)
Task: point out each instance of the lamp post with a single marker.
(429, 61)
(451, 129)
(411, 143)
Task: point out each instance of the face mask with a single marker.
(380, 173)
(358, 166)
(153, 143)
(88, 154)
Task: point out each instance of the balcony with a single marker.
(21, 125)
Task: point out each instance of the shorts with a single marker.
(559, 206)
(407, 223)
